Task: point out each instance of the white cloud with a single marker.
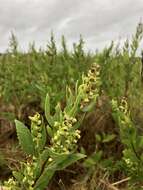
(98, 21)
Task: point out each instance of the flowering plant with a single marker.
(63, 128)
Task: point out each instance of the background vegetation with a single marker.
(111, 133)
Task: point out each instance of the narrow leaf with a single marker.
(44, 179)
(47, 110)
(64, 160)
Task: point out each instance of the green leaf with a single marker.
(47, 106)
(24, 137)
(109, 138)
(64, 160)
(93, 159)
(69, 100)
(44, 179)
(76, 88)
(44, 137)
(49, 131)
(75, 107)
(58, 113)
(47, 110)
(96, 156)
(69, 96)
(60, 162)
(89, 163)
(41, 161)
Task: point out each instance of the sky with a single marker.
(99, 22)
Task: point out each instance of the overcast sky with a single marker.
(99, 22)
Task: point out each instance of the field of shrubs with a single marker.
(72, 119)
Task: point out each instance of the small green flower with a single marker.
(91, 84)
(65, 139)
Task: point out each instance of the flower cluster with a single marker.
(11, 184)
(36, 128)
(65, 137)
(28, 167)
(123, 111)
(132, 166)
(28, 173)
(128, 162)
(27, 177)
(91, 84)
(127, 134)
(123, 107)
